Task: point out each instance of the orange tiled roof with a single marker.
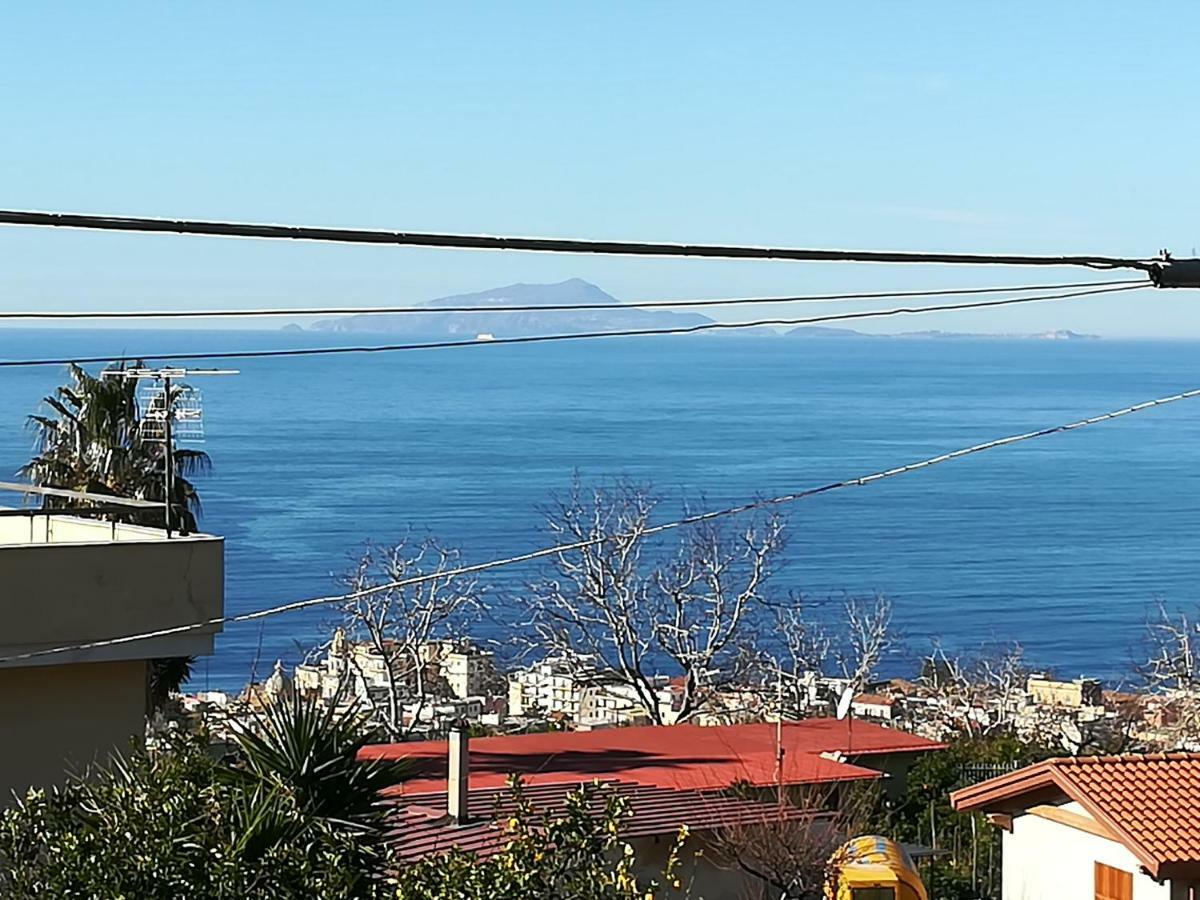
(1150, 802)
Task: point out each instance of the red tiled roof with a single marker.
(684, 757)
(1150, 802)
(421, 827)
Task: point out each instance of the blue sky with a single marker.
(1027, 127)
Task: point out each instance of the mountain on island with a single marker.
(437, 318)
(614, 316)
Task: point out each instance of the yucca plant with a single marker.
(303, 756)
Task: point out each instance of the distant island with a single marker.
(437, 318)
(615, 316)
(816, 331)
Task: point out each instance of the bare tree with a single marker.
(1172, 674)
(399, 625)
(850, 648)
(793, 855)
(978, 695)
(806, 643)
(868, 638)
(617, 604)
(1174, 639)
(988, 693)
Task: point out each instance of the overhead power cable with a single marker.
(557, 549)
(568, 336)
(299, 311)
(545, 245)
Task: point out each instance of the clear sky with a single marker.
(1033, 127)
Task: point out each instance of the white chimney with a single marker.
(459, 776)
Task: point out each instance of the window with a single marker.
(873, 893)
(1113, 884)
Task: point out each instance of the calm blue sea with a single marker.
(1059, 543)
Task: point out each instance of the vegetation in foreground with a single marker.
(292, 812)
(573, 854)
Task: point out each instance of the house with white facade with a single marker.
(875, 706)
(1096, 828)
(590, 698)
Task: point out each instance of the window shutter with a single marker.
(1112, 883)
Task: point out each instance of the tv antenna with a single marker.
(844, 701)
(168, 413)
(845, 710)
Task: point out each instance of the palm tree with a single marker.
(164, 677)
(92, 440)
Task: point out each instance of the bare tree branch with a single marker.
(618, 606)
(791, 854)
(395, 630)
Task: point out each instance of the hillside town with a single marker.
(461, 684)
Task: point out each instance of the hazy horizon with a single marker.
(948, 128)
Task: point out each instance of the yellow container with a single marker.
(873, 868)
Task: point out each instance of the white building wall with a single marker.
(1044, 860)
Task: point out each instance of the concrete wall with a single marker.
(57, 718)
(1045, 860)
(65, 593)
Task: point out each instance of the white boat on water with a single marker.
(485, 336)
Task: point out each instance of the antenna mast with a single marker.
(168, 414)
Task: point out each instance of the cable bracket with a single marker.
(1175, 273)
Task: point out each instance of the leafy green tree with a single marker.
(573, 854)
(292, 814)
(924, 815)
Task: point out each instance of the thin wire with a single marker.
(570, 336)
(588, 542)
(547, 307)
(544, 245)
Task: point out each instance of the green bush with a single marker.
(924, 815)
(166, 825)
(572, 854)
(293, 814)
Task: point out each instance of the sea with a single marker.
(1062, 544)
